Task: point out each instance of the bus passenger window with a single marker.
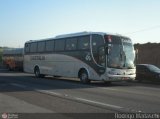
(101, 56)
(27, 46)
(49, 46)
(83, 42)
(71, 44)
(33, 47)
(41, 46)
(97, 41)
(59, 45)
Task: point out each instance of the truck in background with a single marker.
(13, 58)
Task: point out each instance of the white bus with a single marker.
(88, 56)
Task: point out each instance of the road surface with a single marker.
(23, 93)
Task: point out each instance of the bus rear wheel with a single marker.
(108, 82)
(37, 73)
(84, 77)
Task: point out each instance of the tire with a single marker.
(139, 79)
(108, 82)
(37, 73)
(84, 77)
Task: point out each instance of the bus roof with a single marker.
(73, 35)
(78, 34)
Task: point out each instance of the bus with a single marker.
(13, 58)
(87, 56)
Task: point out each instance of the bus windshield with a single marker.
(120, 53)
(130, 55)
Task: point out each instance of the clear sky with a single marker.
(23, 20)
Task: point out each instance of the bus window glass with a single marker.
(83, 42)
(33, 47)
(101, 56)
(97, 41)
(59, 45)
(27, 46)
(50, 45)
(41, 46)
(71, 44)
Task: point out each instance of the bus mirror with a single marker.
(136, 54)
(136, 51)
(107, 50)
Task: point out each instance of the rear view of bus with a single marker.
(88, 56)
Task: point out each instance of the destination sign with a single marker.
(37, 58)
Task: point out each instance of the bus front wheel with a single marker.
(84, 77)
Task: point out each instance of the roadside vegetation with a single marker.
(1, 49)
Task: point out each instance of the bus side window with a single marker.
(33, 47)
(101, 57)
(49, 46)
(27, 47)
(59, 44)
(71, 44)
(41, 46)
(83, 42)
(97, 41)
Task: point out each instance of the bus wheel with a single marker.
(37, 72)
(84, 77)
(108, 82)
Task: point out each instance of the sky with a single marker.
(24, 20)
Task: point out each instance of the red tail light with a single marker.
(109, 39)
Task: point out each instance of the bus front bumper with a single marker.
(120, 77)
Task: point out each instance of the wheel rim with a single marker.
(83, 76)
(37, 72)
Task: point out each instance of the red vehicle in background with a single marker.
(13, 58)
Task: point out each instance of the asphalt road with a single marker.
(23, 93)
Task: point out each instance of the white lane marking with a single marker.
(67, 96)
(38, 90)
(48, 92)
(110, 89)
(126, 91)
(99, 103)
